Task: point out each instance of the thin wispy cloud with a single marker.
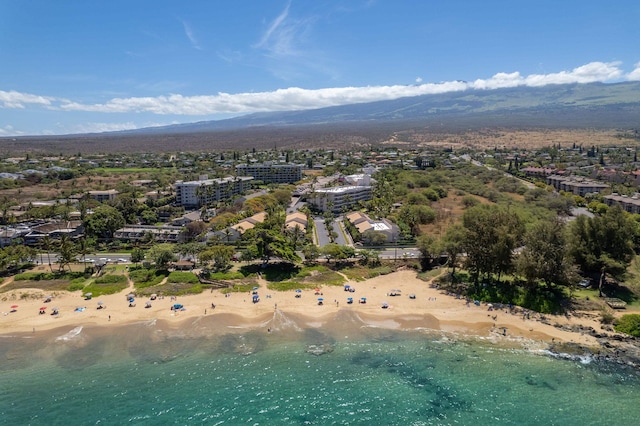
(278, 36)
(295, 98)
(188, 31)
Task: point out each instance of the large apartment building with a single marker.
(576, 185)
(196, 193)
(338, 198)
(271, 173)
(628, 204)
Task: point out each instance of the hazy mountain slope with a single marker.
(620, 101)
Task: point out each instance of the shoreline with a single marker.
(431, 309)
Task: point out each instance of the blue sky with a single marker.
(75, 66)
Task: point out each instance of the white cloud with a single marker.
(188, 31)
(635, 74)
(278, 37)
(8, 130)
(295, 98)
(13, 99)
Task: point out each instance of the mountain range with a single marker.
(594, 105)
(613, 106)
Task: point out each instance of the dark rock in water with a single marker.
(318, 350)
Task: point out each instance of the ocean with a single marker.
(341, 373)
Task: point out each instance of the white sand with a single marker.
(430, 309)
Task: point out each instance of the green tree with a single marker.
(311, 252)
(137, 255)
(603, 243)
(221, 255)
(491, 235)
(161, 255)
(104, 221)
(545, 254)
(452, 244)
(66, 252)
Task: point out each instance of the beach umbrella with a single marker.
(42, 308)
(298, 291)
(14, 306)
(130, 296)
(100, 303)
(320, 299)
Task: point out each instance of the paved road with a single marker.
(321, 232)
(340, 239)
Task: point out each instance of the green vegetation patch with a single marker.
(362, 273)
(47, 276)
(48, 285)
(177, 289)
(225, 276)
(102, 289)
(77, 284)
(629, 324)
(240, 288)
(143, 278)
(111, 279)
(289, 285)
(429, 275)
(183, 277)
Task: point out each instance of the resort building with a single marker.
(102, 196)
(234, 232)
(160, 234)
(576, 185)
(196, 193)
(297, 219)
(338, 198)
(54, 230)
(271, 173)
(364, 223)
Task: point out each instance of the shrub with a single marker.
(77, 284)
(629, 324)
(111, 279)
(183, 277)
(225, 276)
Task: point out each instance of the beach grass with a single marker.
(143, 278)
(244, 287)
(226, 276)
(46, 285)
(362, 273)
(182, 277)
(177, 289)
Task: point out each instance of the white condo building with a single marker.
(197, 193)
(271, 173)
(339, 197)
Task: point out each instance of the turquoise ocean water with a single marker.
(144, 374)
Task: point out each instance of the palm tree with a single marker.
(46, 243)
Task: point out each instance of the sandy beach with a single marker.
(430, 309)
